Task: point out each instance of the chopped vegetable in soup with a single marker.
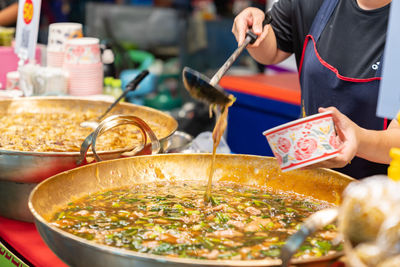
(172, 219)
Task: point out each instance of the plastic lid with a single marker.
(116, 83)
(108, 80)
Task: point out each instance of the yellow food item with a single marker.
(394, 168)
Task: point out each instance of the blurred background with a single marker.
(162, 36)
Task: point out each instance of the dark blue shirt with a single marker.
(352, 42)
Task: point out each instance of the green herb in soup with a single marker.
(172, 219)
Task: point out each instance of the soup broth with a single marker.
(172, 219)
(61, 132)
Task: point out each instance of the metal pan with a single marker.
(58, 190)
(33, 167)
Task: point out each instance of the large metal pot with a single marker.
(58, 190)
(21, 171)
(33, 167)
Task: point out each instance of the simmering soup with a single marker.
(61, 132)
(172, 219)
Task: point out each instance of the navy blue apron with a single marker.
(323, 86)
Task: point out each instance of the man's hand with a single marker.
(348, 138)
(250, 18)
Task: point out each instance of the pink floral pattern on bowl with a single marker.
(84, 50)
(304, 141)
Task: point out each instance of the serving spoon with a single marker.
(208, 91)
(129, 88)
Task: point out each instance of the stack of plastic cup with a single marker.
(59, 33)
(82, 62)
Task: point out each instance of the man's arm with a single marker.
(356, 141)
(375, 145)
(8, 16)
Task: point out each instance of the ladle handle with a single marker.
(131, 86)
(251, 37)
(112, 122)
(228, 63)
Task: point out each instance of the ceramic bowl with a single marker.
(304, 141)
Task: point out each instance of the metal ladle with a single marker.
(208, 91)
(129, 87)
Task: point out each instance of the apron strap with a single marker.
(322, 17)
